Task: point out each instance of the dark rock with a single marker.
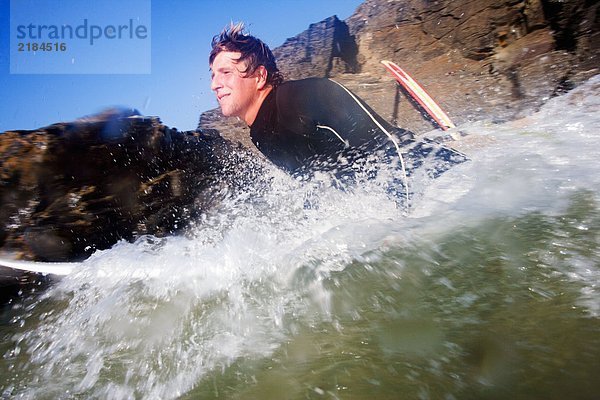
(71, 188)
(231, 128)
(325, 49)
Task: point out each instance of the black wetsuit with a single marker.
(310, 123)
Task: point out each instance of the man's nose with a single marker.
(215, 83)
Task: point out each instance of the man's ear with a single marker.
(261, 76)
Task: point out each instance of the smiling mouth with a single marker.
(222, 96)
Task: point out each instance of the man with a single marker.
(313, 123)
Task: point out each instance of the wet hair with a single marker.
(254, 52)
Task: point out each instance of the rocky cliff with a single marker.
(480, 59)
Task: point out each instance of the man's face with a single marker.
(236, 92)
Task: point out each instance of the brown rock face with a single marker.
(480, 59)
(71, 188)
(325, 49)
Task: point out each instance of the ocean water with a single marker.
(487, 287)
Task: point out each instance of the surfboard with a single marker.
(46, 268)
(419, 94)
(11, 270)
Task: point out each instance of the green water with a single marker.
(498, 308)
(491, 310)
(486, 312)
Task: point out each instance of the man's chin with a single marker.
(226, 112)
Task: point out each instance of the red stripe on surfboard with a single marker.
(420, 95)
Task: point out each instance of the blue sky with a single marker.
(178, 87)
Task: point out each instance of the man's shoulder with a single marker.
(306, 82)
(311, 85)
